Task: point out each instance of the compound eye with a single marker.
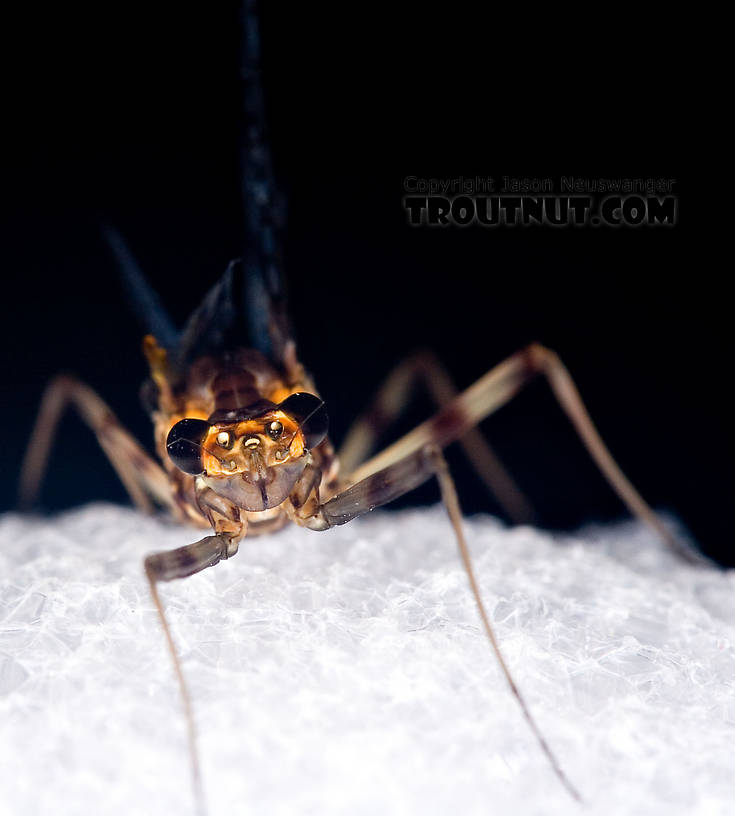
(275, 429)
(184, 445)
(224, 439)
(309, 412)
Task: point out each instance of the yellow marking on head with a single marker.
(220, 460)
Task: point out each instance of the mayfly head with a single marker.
(252, 456)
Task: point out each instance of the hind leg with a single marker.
(424, 369)
(143, 478)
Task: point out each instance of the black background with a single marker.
(132, 117)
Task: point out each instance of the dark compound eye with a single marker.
(310, 414)
(184, 445)
(275, 429)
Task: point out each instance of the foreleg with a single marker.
(168, 566)
(392, 482)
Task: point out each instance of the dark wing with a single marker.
(264, 209)
(247, 306)
(213, 326)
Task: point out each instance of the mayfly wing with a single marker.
(247, 306)
(264, 292)
(211, 325)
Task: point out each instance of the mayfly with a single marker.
(241, 430)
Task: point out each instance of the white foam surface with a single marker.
(346, 672)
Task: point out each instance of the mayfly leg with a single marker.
(168, 566)
(417, 456)
(451, 502)
(497, 387)
(142, 478)
(140, 475)
(423, 368)
(395, 480)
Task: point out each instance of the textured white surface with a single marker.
(345, 672)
